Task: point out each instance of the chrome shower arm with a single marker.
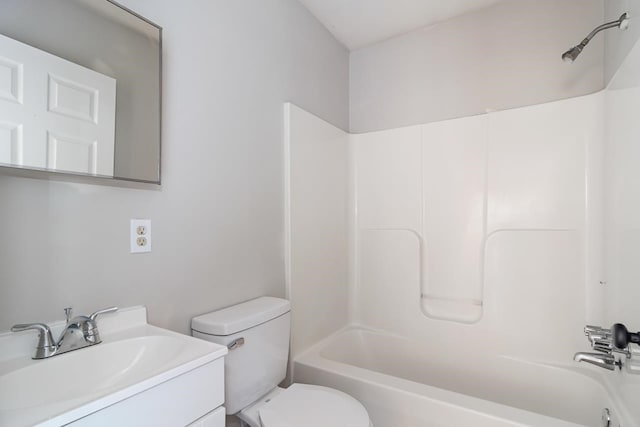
(613, 24)
(572, 54)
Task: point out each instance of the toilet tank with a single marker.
(257, 334)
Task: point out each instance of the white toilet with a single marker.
(257, 335)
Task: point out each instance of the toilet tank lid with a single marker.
(236, 318)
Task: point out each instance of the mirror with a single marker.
(80, 89)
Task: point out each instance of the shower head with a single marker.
(572, 54)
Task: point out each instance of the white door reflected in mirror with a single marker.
(54, 114)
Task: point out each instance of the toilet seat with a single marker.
(313, 406)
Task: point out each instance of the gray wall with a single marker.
(497, 58)
(218, 218)
(619, 43)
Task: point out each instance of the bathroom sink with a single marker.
(67, 387)
(96, 370)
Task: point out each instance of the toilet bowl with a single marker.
(257, 335)
(305, 405)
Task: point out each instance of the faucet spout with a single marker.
(606, 361)
(74, 335)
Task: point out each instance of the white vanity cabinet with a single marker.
(192, 399)
(140, 375)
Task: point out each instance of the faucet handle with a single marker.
(103, 311)
(46, 346)
(601, 341)
(27, 326)
(598, 330)
(622, 337)
(90, 328)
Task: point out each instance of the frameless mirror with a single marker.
(80, 89)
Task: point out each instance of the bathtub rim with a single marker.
(313, 358)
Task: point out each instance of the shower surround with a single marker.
(478, 241)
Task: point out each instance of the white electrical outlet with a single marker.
(140, 236)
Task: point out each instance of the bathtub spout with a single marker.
(606, 361)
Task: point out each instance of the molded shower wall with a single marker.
(622, 193)
(482, 232)
(622, 209)
(316, 228)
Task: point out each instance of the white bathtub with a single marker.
(402, 383)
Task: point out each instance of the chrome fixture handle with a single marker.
(91, 332)
(46, 346)
(606, 346)
(103, 311)
(27, 326)
(236, 343)
(591, 330)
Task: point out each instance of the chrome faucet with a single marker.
(80, 332)
(607, 342)
(606, 361)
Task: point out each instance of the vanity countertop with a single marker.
(133, 357)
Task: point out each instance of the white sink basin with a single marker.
(94, 371)
(66, 387)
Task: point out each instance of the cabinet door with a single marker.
(212, 419)
(173, 403)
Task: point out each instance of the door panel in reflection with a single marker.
(54, 114)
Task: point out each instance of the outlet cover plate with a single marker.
(140, 236)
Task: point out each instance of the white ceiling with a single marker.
(357, 23)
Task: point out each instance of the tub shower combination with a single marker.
(472, 262)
